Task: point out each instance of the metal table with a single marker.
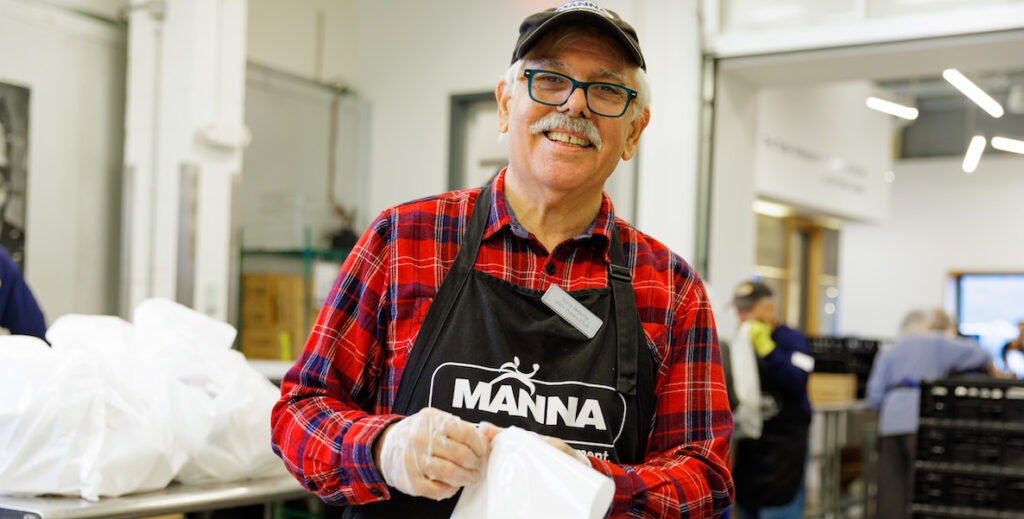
(834, 425)
(176, 498)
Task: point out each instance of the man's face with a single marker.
(764, 310)
(538, 160)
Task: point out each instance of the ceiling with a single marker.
(948, 120)
(911, 72)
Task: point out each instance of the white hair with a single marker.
(926, 321)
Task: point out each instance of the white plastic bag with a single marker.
(526, 477)
(45, 415)
(237, 445)
(132, 443)
(227, 433)
(114, 408)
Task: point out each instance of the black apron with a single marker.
(491, 351)
(768, 471)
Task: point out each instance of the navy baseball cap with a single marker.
(751, 292)
(535, 26)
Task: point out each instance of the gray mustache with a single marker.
(560, 121)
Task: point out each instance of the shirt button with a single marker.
(550, 269)
(376, 492)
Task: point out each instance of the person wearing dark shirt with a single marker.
(19, 311)
(769, 467)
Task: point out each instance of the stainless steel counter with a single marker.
(175, 498)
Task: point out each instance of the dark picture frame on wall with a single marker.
(14, 141)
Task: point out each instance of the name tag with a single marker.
(572, 311)
(802, 361)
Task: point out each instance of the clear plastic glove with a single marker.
(761, 338)
(431, 454)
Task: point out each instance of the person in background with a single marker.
(770, 461)
(472, 306)
(927, 350)
(19, 311)
(1013, 353)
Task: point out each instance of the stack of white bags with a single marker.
(117, 407)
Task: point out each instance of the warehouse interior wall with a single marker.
(74, 66)
(942, 221)
(873, 295)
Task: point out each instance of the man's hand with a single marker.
(431, 454)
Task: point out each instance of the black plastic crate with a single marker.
(932, 444)
(974, 398)
(936, 401)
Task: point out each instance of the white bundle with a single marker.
(115, 408)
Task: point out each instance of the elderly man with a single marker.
(526, 303)
(927, 350)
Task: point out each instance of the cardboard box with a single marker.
(831, 388)
(290, 301)
(275, 323)
(273, 342)
(261, 342)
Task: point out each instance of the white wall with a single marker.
(733, 225)
(315, 39)
(667, 197)
(74, 66)
(407, 59)
(820, 149)
(942, 221)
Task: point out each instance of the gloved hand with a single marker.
(431, 454)
(761, 338)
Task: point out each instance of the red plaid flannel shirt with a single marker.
(338, 396)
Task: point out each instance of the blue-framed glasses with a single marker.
(554, 89)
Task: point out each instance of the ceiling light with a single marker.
(969, 89)
(1010, 145)
(905, 112)
(771, 209)
(973, 154)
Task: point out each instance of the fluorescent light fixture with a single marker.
(904, 112)
(771, 209)
(1010, 145)
(973, 155)
(973, 92)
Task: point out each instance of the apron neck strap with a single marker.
(626, 316)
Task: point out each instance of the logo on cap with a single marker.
(745, 290)
(583, 6)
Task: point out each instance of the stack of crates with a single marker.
(851, 355)
(970, 450)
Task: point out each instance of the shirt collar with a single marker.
(502, 217)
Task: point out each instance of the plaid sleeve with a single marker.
(686, 470)
(324, 425)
